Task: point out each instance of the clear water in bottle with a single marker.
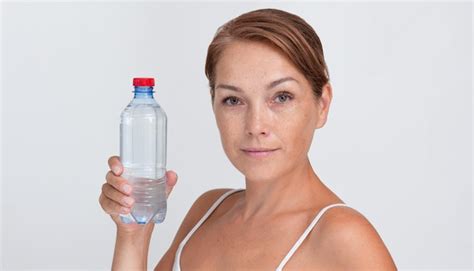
(143, 154)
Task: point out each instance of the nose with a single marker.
(256, 122)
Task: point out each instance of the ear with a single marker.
(324, 103)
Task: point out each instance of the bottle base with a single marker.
(157, 219)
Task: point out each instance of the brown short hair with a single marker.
(283, 30)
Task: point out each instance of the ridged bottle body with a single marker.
(143, 156)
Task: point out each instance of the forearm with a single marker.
(131, 251)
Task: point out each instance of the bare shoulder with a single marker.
(349, 241)
(195, 213)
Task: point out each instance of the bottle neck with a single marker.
(143, 93)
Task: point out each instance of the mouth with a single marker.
(259, 152)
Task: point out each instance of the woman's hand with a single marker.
(116, 197)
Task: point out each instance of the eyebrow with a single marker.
(269, 86)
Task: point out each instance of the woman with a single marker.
(270, 91)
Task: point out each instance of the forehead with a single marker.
(253, 61)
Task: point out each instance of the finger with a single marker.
(117, 196)
(111, 207)
(115, 165)
(119, 183)
(171, 180)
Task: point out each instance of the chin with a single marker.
(259, 176)
(259, 172)
(258, 168)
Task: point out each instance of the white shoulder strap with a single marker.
(305, 234)
(208, 213)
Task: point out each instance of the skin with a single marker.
(265, 117)
(257, 227)
(253, 107)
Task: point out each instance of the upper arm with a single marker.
(352, 243)
(195, 213)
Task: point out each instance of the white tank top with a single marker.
(176, 264)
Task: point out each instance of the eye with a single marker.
(283, 97)
(231, 101)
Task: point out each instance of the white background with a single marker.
(397, 145)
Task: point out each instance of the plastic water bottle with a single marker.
(143, 154)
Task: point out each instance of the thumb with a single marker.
(171, 180)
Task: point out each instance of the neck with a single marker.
(293, 191)
(143, 92)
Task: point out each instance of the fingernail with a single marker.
(128, 201)
(116, 169)
(124, 210)
(126, 188)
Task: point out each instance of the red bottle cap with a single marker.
(143, 82)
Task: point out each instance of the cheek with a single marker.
(229, 127)
(298, 131)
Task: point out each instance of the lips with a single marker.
(259, 152)
(258, 149)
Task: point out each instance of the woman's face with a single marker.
(262, 102)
